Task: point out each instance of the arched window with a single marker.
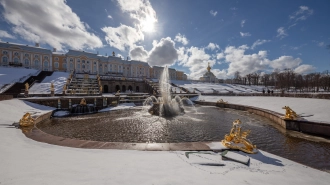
(26, 62)
(5, 52)
(16, 53)
(16, 60)
(46, 57)
(56, 64)
(4, 60)
(71, 65)
(71, 59)
(36, 56)
(36, 63)
(64, 65)
(46, 65)
(26, 55)
(56, 58)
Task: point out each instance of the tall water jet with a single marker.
(165, 105)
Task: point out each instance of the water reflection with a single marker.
(210, 124)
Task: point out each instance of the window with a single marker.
(83, 66)
(36, 56)
(64, 65)
(87, 66)
(46, 63)
(46, 57)
(5, 52)
(83, 61)
(36, 63)
(78, 66)
(87, 62)
(4, 60)
(78, 60)
(16, 60)
(27, 62)
(56, 58)
(64, 60)
(16, 54)
(26, 55)
(56, 64)
(71, 65)
(94, 62)
(71, 59)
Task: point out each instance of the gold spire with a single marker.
(208, 67)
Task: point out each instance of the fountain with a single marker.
(165, 105)
(83, 108)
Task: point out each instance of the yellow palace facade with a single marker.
(18, 55)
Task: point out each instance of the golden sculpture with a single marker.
(221, 101)
(100, 88)
(289, 113)
(64, 87)
(83, 101)
(27, 87)
(117, 93)
(51, 86)
(26, 120)
(237, 139)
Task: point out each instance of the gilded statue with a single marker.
(64, 87)
(27, 87)
(221, 101)
(100, 88)
(289, 113)
(237, 139)
(26, 120)
(83, 101)
(117, 93)
(51, 86)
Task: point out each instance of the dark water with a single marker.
(208, 124)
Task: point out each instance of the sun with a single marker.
(148, 25)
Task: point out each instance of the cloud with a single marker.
(247, 34)
(181, 38)
(281, 33)
(285, 62)
(163, 53)
(242, 23)
(233, 8)
(109, 16)
(301, 14)
(304, 69)
(196, 59)
(141, 11)
(5, 34)
(212, 46)
(122, 37)
(297, 47)
(214, 13)
(321, 44)
(258, 43)
(244, 63)
(50, 22)
(138, 53)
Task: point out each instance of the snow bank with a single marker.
(318, 108)
(57, 78)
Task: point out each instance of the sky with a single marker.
(245, 36)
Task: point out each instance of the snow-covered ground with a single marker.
(25, 161)
(57, 78)
(12, 74)
(119, 107)
(318, 108)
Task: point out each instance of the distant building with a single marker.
(208, 76)
(35, 57)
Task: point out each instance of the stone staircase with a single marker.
(82, 86)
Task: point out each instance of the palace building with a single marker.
(36, 57)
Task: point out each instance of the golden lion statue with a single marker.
(83, 101)
(289, 113)
(26, 120)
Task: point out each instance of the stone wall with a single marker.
(304, 126)
(6, 97)
(113, 85)
(53, 102)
